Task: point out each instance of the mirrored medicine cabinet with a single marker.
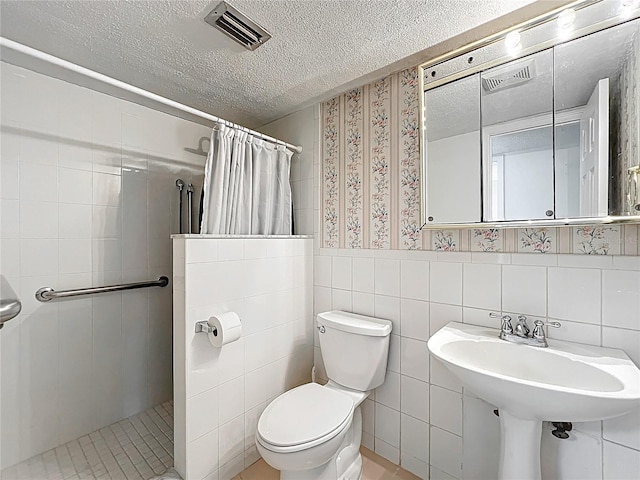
(539, 125)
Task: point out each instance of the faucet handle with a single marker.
(538, 331)
(505, 325)
(540, 323)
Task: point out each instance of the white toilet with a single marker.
(313, 432)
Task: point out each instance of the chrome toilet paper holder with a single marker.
(204, 327)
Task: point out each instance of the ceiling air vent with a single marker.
(237, 26)
(509, 77)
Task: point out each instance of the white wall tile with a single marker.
(574, 294)
(440, 315)
(627, 340)
(620, 463)
(445, 283)
(107, 189)
(9, 219)
(387, 451)
(201, 251)
(621, 299)
(38, 182)
(387, 277)
(75, 186)
(580, 459)
(446, 409)
(576, 332)
(414, 279)
(414, 398)
(341, 300)
(414, 319)
(624, 430)
(414, 465)
(387, 426)
(393, 362)
(524, 289)
(442, 377)
(38, 257)
(481, 440)
(197, 423)
(204, 456)
(482, 286)
(74, 255)
(9, 173)
(363, 303)
(322, 270)
(341, 273)
(446, 452)
(388, 308)
(388, 393)
(414, 439)
(231, 439)
(38, 220)
(74, 221)
(363, 275)
(414, 358)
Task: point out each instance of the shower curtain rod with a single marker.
(37, 54)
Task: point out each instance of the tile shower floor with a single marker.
(136, 448)
(141, 448)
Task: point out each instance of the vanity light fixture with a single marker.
(512, 43)
(627, 7)
(565, 22)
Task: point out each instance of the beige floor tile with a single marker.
(375, 467)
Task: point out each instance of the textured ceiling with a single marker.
(167, 48)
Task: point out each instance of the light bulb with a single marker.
(566, 19)
(512, 42)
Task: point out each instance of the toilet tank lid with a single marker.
(354, 323)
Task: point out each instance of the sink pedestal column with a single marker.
(519, 448)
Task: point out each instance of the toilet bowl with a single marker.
(313, 432)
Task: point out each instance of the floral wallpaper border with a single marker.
(586, 240)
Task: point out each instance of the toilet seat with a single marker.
(304, 417)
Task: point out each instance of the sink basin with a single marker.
(565, 382)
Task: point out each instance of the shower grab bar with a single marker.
(10, 304)
(46, 294)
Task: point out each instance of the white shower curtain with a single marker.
(246, 185)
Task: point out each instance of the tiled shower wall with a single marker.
(221, 392)
(87, 197)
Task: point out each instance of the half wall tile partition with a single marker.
(220, 393)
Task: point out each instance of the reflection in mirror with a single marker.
(597, 80)
(517, 132)
(453, 151)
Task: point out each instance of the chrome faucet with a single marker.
(520, 334)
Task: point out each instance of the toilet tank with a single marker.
(354, 348)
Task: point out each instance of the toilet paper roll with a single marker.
(227, 329)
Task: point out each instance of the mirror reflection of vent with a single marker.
(505, 78)
(237, 26)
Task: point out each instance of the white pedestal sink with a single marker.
(566, 382)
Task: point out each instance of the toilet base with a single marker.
(346, 464)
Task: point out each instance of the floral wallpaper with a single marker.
(380, 155)
(330, 173)
(409, 160)
(370, 183)
(354, 168)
